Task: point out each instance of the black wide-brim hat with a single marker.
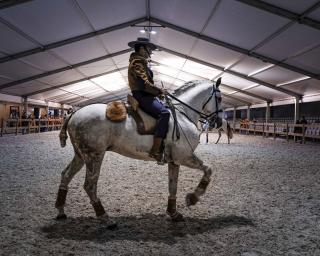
(142, 41)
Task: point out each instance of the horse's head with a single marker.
(212, 106)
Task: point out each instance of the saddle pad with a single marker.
(116, 111)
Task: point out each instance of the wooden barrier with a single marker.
(17, 126)
(286, 130)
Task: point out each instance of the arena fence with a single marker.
(300, 132)
(23, 126)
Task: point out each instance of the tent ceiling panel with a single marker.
(200, 70)
(46, 95)
(97, 67)
(315, 15)
(269, 93)
(62, 77)
(168, 59)
(165, 70)
(186, 77)
(214, 54)
(308, 61)
(296, 6)
(11, 42)
(112, 12)
(242, 25)
(111, 82)
(295, 40)
(16, 70)
(236, 82)
(277, 75)
(179, 12)
(246, 97)
(47, 21)
(118, 40)
(310, 86)
(44, 61)
(226, 90)
(122, 60)
(174, 40)
(81, 87)
(249, 65)
(4, 80)
(25, 88)
(80, 51)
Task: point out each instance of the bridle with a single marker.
(203, 115)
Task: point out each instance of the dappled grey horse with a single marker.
(92, 134)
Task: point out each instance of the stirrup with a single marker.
(159, 157)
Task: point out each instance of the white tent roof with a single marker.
(75, 52)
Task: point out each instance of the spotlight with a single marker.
(142, 31)
(153, 32)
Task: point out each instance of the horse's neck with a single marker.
(195, 98)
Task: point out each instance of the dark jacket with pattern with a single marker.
(140, 76)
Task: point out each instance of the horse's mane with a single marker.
(187, 86)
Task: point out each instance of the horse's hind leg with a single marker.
(195, 163)
(93, 164)
(173, 171)
(66, 176)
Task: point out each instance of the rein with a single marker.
(202, 115)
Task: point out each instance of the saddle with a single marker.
(118, 111)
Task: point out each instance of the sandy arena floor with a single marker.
(264, 200)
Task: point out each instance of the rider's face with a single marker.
(145, 51)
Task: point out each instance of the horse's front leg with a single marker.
(173, 171)
(196, 163)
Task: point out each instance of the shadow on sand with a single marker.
(148, 227)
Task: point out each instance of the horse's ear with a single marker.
(218, 83)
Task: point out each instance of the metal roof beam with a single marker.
(235, 48)
(52, 72)
(9, 3)
(300, 18)
(73, 82)
(251, 79)
(70, 40)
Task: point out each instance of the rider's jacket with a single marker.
(140, 76)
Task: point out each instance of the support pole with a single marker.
(268, 112)
(234, 117)
(296, 110)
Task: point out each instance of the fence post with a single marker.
(17, 122)
(274, 131)
(39, 126)
(303, 134)
(29, 121)
(287, 131)
(1, 127)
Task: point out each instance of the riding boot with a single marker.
(156, 150)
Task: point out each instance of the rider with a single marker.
(145, 92)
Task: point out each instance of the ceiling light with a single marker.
(142, 31)
(153, 32)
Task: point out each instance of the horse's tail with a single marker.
(63, 133)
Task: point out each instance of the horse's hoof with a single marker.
(191, 199)
(177, 218)
(61, 216)
(112, 225)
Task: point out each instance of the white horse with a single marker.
(92, 134)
